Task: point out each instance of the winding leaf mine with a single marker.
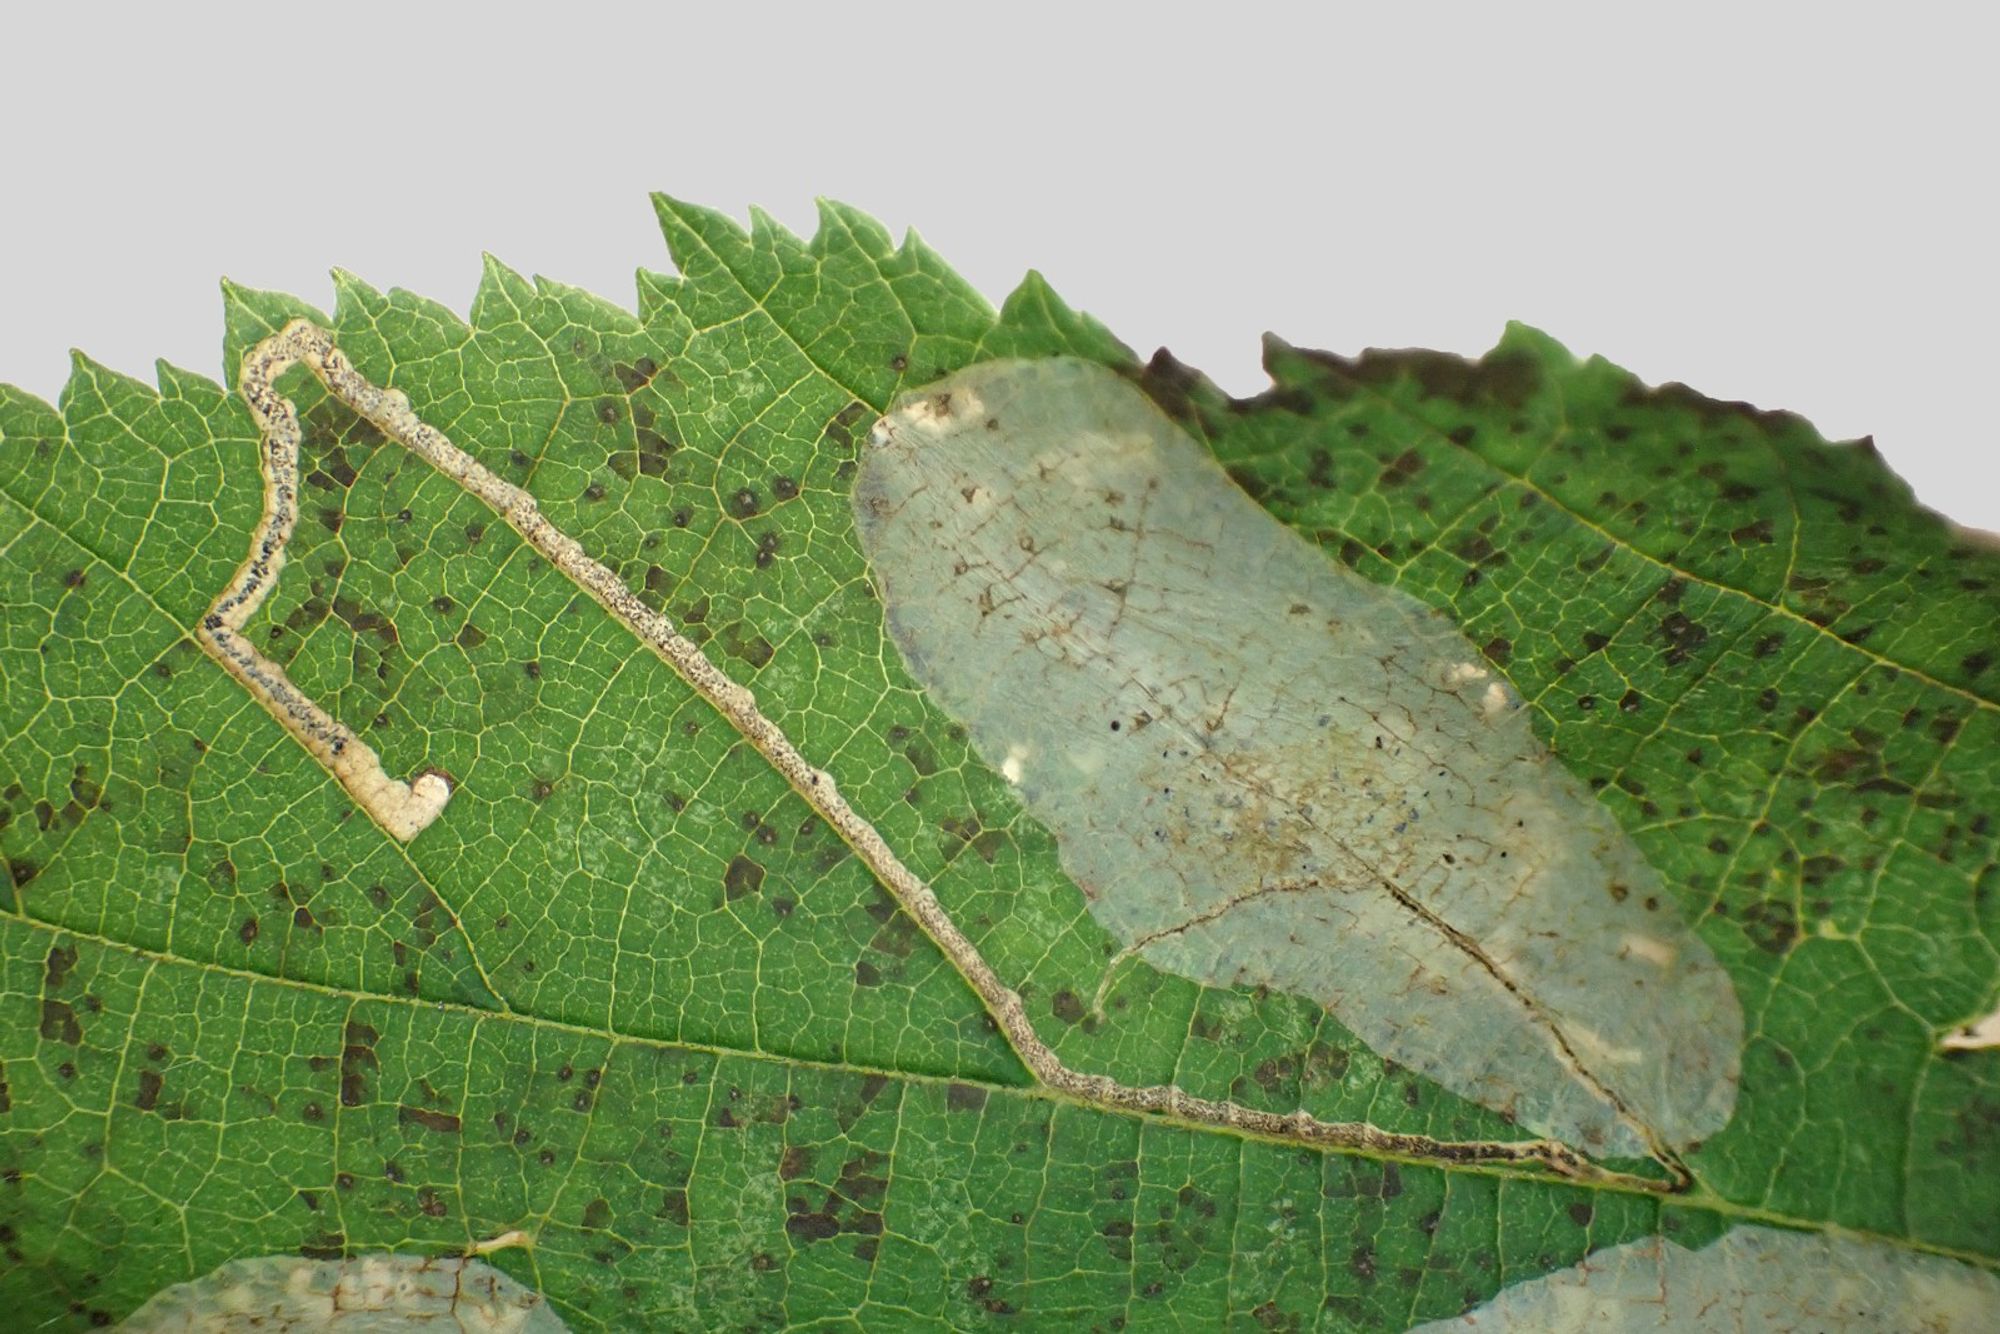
(1263, 770)
(404, 810)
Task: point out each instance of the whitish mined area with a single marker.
(393, 1294)
(1752, 1280)
(404, 809)
(1263, 770)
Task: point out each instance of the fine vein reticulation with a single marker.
(405, 809)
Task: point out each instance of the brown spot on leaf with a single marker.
(744, 876)
(59, 1022)
(1066, 1007)
(1402, 468)
(57, 966)
(357, 1058)
(1683, 637)
(1772, 925)
(444, 1123)
(746, 645)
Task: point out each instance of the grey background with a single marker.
(1776, 204)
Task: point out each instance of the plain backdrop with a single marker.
(1785, 205)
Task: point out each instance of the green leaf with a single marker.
(630, 996)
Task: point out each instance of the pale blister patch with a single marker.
(1752, 1279)
(378, 1294)
(1264, 770)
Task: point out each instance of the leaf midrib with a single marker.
(1031, 1090)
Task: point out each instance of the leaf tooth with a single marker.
(352, 292)
(770, 236)
(840, 222)
(252, 314)
(177, 382)
(659, 295)
(1034, 309)
(690, 230)
(360, 301)
(17, 403)
(90, 379)
(587, 306)
(503, 295)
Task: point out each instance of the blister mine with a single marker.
(1263, 770)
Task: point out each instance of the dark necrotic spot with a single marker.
(357, 1058)
(1772, 925)
(1402, 468)
(323, 1246)
(633, 377)
(1066, 1007)
(746, 645)
(57, 966)
(59, 1023)
(444, 1123)
(743, 876)
(809, 1225)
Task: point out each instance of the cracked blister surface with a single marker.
(1753, 1279)
(380, 1294)
(1265, 772)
